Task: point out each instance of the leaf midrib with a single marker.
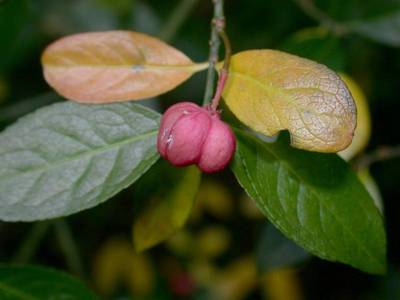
(83, 155)
(194, 67)
(299, 178)
(15, 292)
(290, 101)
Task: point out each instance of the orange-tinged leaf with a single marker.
(270, 91)
(103, 67)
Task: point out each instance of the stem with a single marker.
(214, 49)
(31, 242)
(326, 21)
(225, 69)
(176, 19)
(217, 32)
(381, 154)
(69, 247)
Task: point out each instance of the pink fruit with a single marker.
(190, 134)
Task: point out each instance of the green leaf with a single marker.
(168, 210)
(314, 199)
(378, 20)
(317, 44)
(34, 283)
(276, 251)
(68, 157)
(372, 187)
(385, 288)
(68, 17)
(384, 29)
(18, 32)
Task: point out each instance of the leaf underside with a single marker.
(270, 91)
(68, 157)
(110, 66)
(314, 199)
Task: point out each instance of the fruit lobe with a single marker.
(190, 134)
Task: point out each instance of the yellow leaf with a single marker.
(216, 199)
(362, 133)
(249, 208)
(282, 284)
(166, 215)
(139, 273)
(181, 243)
(116, 262)
(204, 272)
(270, 91)
(212, 241)
(102, 67)
(107, 271)
(236, 280)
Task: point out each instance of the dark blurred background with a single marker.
(227, 250)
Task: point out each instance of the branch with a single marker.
(223, 76)
(381, 154)
(176, 19)
(215, 43)
(31, 243)
(321, 17)
(69, 247)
